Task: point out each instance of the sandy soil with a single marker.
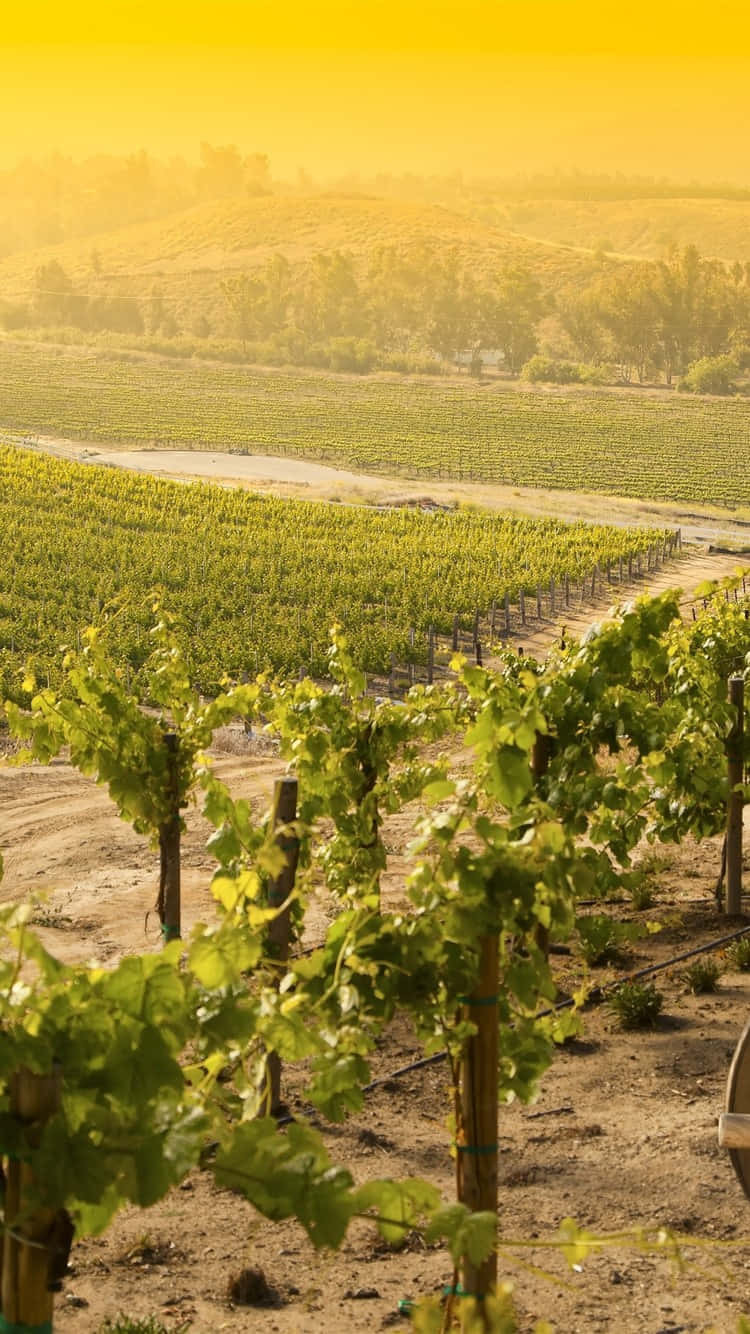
(316, 481)
(624, 1133)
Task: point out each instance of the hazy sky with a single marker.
(487, 86)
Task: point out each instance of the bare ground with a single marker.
(317, 481)
(624, 1133)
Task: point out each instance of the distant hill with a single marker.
(188, 253)
(643, 228)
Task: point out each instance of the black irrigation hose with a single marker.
(594, 997)
(597, 994)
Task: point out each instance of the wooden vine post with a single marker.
(540, 757)
(279, 891)
(476, 1156)
(735, 801)
(29, 1256)
(168, 903)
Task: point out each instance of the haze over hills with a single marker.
(642, 228)
(352, 280)
(188, 253)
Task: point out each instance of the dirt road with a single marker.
(316, 481)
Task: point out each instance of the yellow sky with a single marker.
(488, 84)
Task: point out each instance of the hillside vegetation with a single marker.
(615, 288)
(186, 254)
(642, 228)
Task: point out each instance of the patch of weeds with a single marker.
(636, 1004)
(45, 915)
(642, 896)
(125, 1324)
(602, 938)
(151, 1251)
(738, 954)
(703, 975)
(654, 862)
(251, 1288)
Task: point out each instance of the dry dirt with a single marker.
(317, 481)
(624, 1133)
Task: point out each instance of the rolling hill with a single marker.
(640, 228)
(188, 253)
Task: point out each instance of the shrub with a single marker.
(602, 938)
(352, 354)
(710, 375)
(738, 954)
(595, 374)
(636, 1004)
(541, 370)
(702, 975)
(642, 896)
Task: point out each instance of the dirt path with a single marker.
(316, 481)
(686, 572)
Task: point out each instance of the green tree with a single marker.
(509, 314)
(55, 300)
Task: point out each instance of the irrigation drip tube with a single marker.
(594, 997)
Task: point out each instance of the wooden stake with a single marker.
(430, 654)
(540, 758)
(522, 605)
(476, 1165)
(168, 903)
(26, 1273)
(456, 626)
(506, 609)
(552, 598)
(567, 590)
(735, 801)
(538, 602)
(279, 891)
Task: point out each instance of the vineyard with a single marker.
(255, 581)
(659, 447)
(530, 790)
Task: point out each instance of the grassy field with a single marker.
(653, 446)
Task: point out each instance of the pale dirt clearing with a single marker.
(316, 481)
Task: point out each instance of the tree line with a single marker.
(637, 321)
(407, 300)
(58, 199)
(418, 307)
(656, 318)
